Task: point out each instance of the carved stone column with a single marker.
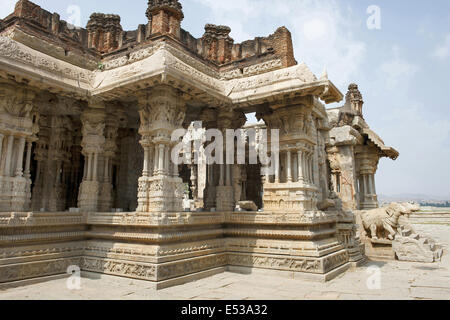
(92, 144)
(19, 159)
(298, 138)
(343, 172)
(17, 120)
(367, 162)
(27, 173)
(150, 169)
(9, 156)
(41, 157)
(289, 166)
(225, 193)
(194, 182)
(59, 159)
(209, 121)
(110, 150)
(162, 110)
(237, 182)
(2, 136)
(300, 156)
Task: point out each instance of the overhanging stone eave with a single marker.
(385, 151)
(127, 75)
(123, 88)
(49, 73)
(291, 88)
(44, 80)
(191, 86)
(43, 71)
(333, 95)
(163, 75)
(161, 67)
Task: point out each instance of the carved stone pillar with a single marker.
(209, 121)
(1, 150)
(162, 110)
(311, 167)
(194, 182)
(17, 120)
(92, 144)
(301, 177)
(237, 182)
(58, 160)
(110, 149)
(41, 157)
(296, 125)
(367, 162)
(20, 151)
(343, 171)
(288, 166)
(147, 173)
(227, 119)
(9, 156)
(28, 159)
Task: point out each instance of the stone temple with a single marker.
(86, 177)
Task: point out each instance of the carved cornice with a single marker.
(162, 61)
(20, 53)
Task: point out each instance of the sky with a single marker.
(398, 52)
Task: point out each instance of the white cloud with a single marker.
(397, 70)
(225, 13)
(442, 51)
(320, 31)
(6, 7)
(315, 29)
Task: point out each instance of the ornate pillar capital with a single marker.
(94, 124)
(162, 110)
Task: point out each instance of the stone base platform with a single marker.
(379, 250)
(291, 274)
(169, 249)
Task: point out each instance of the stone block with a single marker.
(248, 206)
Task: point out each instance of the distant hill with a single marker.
(413, 197)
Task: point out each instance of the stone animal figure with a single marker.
(386, 218)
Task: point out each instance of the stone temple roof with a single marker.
(32, 19)
(351, 115)
(106, 61)
(387, 151)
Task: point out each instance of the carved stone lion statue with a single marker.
(385, 219)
